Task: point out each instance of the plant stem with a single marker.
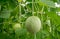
(19, 18)
(34, 35)
(42, 19)
(33, 7)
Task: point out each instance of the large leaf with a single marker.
(20, 32)
(54, 18)
(58, 28)
(47, 3)
(5, 14)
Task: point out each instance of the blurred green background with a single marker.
(17, 11)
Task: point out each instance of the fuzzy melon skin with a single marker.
(33, 24)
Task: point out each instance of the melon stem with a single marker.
(34, 35)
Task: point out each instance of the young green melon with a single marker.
(16, 26)
(33, 24)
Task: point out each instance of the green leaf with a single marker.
(20, 32)
(54, 18)
(47, 3)
(58, 28)
(58, 1)
(5, 14)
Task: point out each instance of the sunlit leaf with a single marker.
(47, 3)
(5, 14)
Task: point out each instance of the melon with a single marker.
(33, 24)
(16, 26)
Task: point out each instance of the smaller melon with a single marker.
(33, 24)
(19, 0)
(16, 26)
